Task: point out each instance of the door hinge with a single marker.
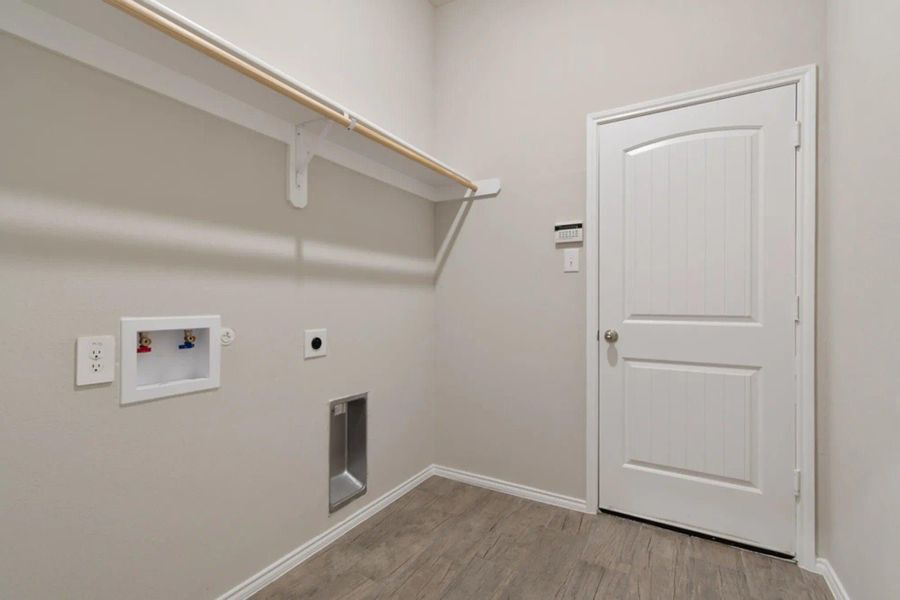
(796, 483)
(795, 134)
(598, 335)
(796, 309)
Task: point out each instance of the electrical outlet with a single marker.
(316, 343)
(95, 359)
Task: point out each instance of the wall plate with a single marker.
(571, 260)
(227, 336)
(315, 343)
(95, 360)
(170, 364)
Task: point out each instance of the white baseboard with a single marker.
(834, 583)
(269, 574)
(513, 489)
(253, 584)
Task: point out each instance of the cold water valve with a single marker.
(189, 340)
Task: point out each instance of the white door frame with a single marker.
(805, 80)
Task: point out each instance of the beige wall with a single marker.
(375, 57)
(515, 79)
(859, 296)
(115, 201)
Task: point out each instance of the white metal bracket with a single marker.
(301, 152)
(487, 188)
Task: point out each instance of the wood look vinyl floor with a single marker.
(449, 540)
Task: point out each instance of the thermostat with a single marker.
(567, 233)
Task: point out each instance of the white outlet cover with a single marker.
(310, 336)
(570, 260)
(95, 360)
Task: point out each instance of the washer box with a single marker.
(168, 356)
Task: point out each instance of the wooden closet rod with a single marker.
(300, 96)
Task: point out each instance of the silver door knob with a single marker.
(611, 336)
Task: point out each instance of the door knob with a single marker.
(611, 336)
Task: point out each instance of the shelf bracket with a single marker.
(487, 188)
(301, 152)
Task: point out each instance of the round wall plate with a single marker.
(226, 336)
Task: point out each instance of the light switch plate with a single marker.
(570, 260)
(316, 343)
(95, 359)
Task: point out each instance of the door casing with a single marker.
(805, 80)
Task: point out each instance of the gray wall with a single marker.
(859, 296)
(373, 56)
(115, 201)
(516, 79)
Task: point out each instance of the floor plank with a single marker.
(448, 540)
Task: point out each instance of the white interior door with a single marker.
(697, 278)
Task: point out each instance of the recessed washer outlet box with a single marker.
(347, 467)
(168, 356)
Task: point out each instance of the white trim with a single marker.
(305, 551)
(256, 582)
(806, 273)
(513, 489)
(805, 80)
(592, 333)
(831, 578)
(798, 75)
